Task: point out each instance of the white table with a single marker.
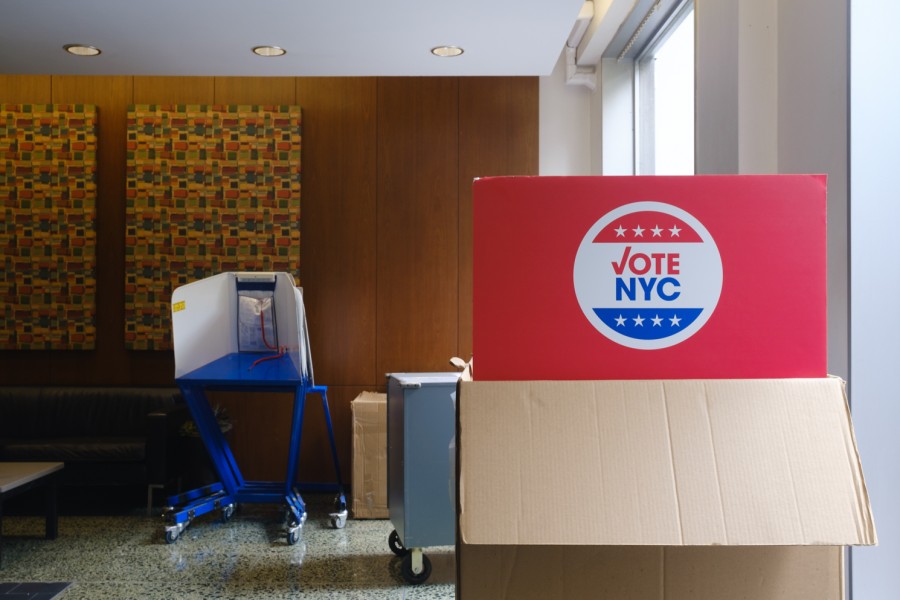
(19, 477)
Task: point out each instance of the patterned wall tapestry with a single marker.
(209, 189)
(48, 195)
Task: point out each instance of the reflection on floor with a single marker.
(125, 556)
(31, 590)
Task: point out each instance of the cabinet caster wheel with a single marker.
(396, 545)
(171, 536)
(406, 570)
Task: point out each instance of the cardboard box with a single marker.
(649, 277)
(370, 499)
(700, 489)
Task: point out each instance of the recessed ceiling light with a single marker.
(269, 51)
(447, 51)
(81, 50)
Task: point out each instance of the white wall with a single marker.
(775, 94)
(616, 120)
(813, 115)
(716, 122)
(875, 284)
(771, 98)
(565, 125)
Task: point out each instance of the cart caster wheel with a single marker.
(293, 536)
(396, 545)
(338, 519)
(294, 527)
(174, 530)
(227, 513)
(407, 572)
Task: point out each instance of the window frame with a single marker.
(643, 89)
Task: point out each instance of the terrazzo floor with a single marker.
(125, 557)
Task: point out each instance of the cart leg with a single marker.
(339, 516)
(323, 391)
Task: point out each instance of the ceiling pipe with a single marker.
(576, 75)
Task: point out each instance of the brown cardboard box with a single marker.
(700, 489)
(369, 456)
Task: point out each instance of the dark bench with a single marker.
(104, 435)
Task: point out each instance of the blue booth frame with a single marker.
(245, 372)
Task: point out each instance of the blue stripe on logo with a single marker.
(648, 323)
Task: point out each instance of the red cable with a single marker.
(272, 357)
(262, 324)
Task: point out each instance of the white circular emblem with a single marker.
(648, 275)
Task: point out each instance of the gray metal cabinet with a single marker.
(421, 503)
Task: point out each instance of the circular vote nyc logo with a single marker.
(648, 275)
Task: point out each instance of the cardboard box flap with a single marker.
(686, 462)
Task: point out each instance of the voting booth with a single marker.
(244, 331)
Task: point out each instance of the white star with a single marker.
(620, 231)
(674, 230)
(638, 231)
(657, 321)
(676, 321)
(639, 321)
(657, 231)
(620, 321)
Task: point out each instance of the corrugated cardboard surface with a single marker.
(657, 490)
(687, 462)
(649, 572)
(370, 499)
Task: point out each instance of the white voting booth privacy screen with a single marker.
(228, 313)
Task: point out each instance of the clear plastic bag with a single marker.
(257, 328)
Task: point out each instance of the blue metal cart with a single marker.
(288, 370)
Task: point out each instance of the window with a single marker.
(664, 115)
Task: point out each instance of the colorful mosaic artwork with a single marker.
(209, 189)
(48, 195)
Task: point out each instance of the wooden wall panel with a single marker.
(498, 135)
(254, 90)
(337, 258)
(386, 234)
(315, 451)
(173, 90)
(26, 89)
(260, 437)
(417, 224)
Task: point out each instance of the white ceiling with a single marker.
(322, 37)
